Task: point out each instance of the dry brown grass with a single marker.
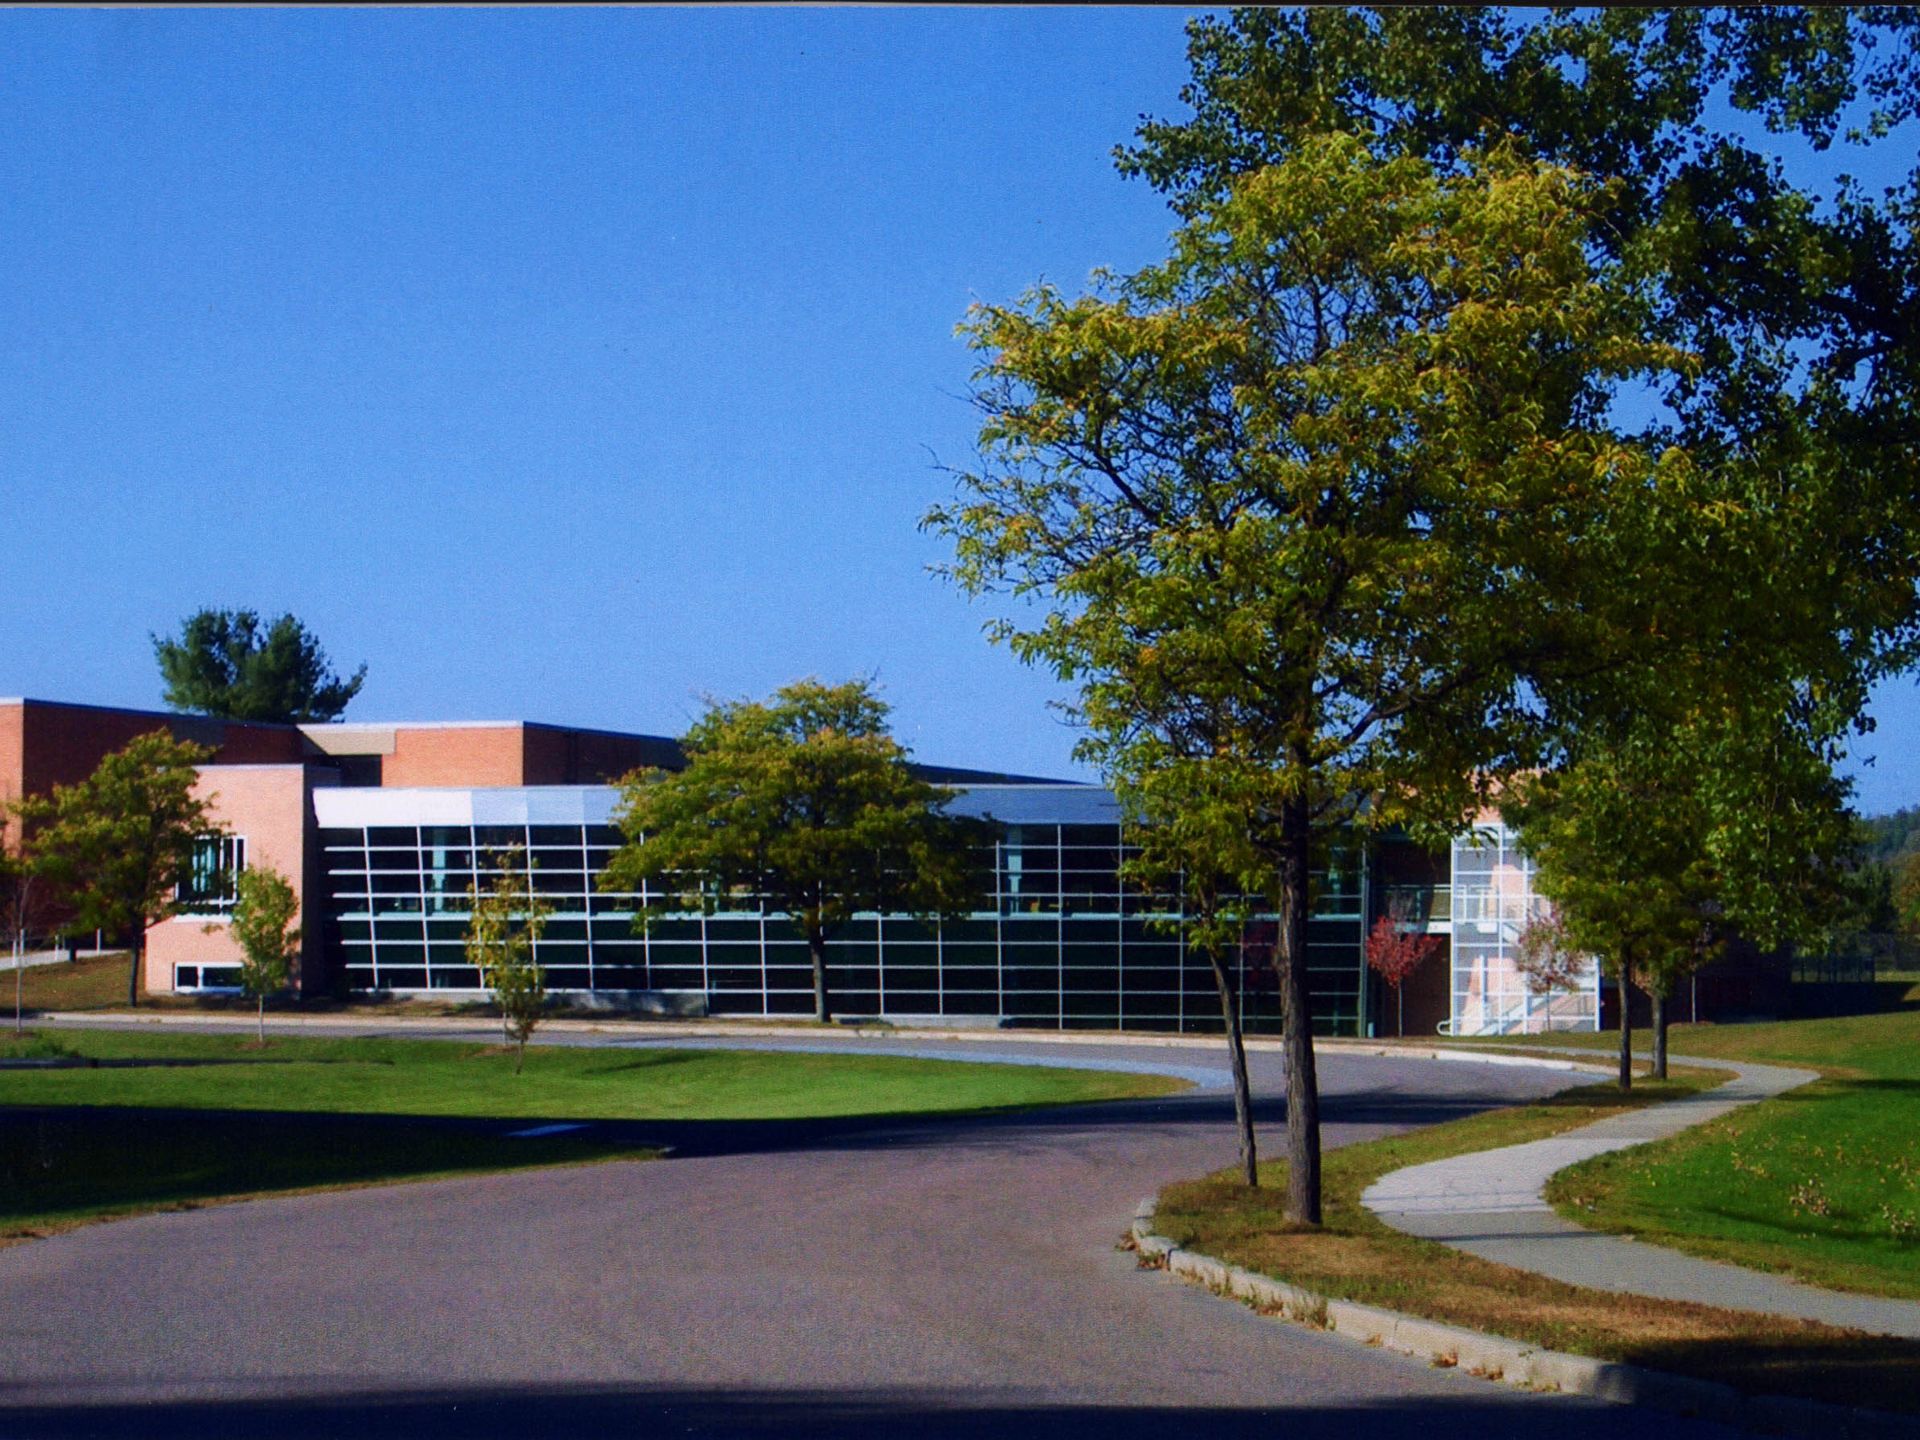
(1356, 1257)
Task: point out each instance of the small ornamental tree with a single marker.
(21, 895)
(507, 917)
(1395, 949)
(226, 663)
(806, 804)
(116, 845)
(264, 909)
(1547, 958)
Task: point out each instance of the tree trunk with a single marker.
(135, 949)
(1296, 1021)
(817, 948)
(1659, 1034)
(1237, 1054)
(1626, 1023)
(263, 1017)
(19, 977)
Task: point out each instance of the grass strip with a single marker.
(1354, 1256)
(1822, 1183)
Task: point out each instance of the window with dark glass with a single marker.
(208, 886)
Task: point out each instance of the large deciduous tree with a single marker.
(1307, 503)
(226, 663)
(117, 845)
(804, 804)
(1798, 296)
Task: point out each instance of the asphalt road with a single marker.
(925, 1279)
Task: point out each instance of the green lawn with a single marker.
(224, 1118)
(1355, 1256)
(98, 982)
(1822, 1184)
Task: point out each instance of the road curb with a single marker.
(1512, 1362)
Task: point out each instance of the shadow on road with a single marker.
(642, 1411)
(687, 1138)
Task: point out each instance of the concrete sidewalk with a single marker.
(1493, 1204)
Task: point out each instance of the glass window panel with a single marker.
(956, 978)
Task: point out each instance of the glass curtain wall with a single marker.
(1493, 900)
(1065, 944)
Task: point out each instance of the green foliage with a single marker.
(116, 845)
(506, 918)
(1661, 841)
(264, 910)
(1802, 307)
(20, 868)
(1312, 502)
(1630, 95)
(1659, 844)
(1904, 896)
(804, 804)
(224, 663)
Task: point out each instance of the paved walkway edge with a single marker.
(1493, 1357)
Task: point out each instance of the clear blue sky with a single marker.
(561, 365)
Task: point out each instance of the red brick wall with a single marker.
(12, 756)
(557, 756)
(58, 744)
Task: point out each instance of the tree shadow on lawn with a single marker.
(461, 1412)
(1828, 1087)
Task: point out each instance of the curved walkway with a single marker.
(1493, 1204)
(931, 1277)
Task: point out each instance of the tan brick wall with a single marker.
(468, 756)
(268, 805)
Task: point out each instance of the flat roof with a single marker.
(354, 808)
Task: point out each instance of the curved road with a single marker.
(926, 1279)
